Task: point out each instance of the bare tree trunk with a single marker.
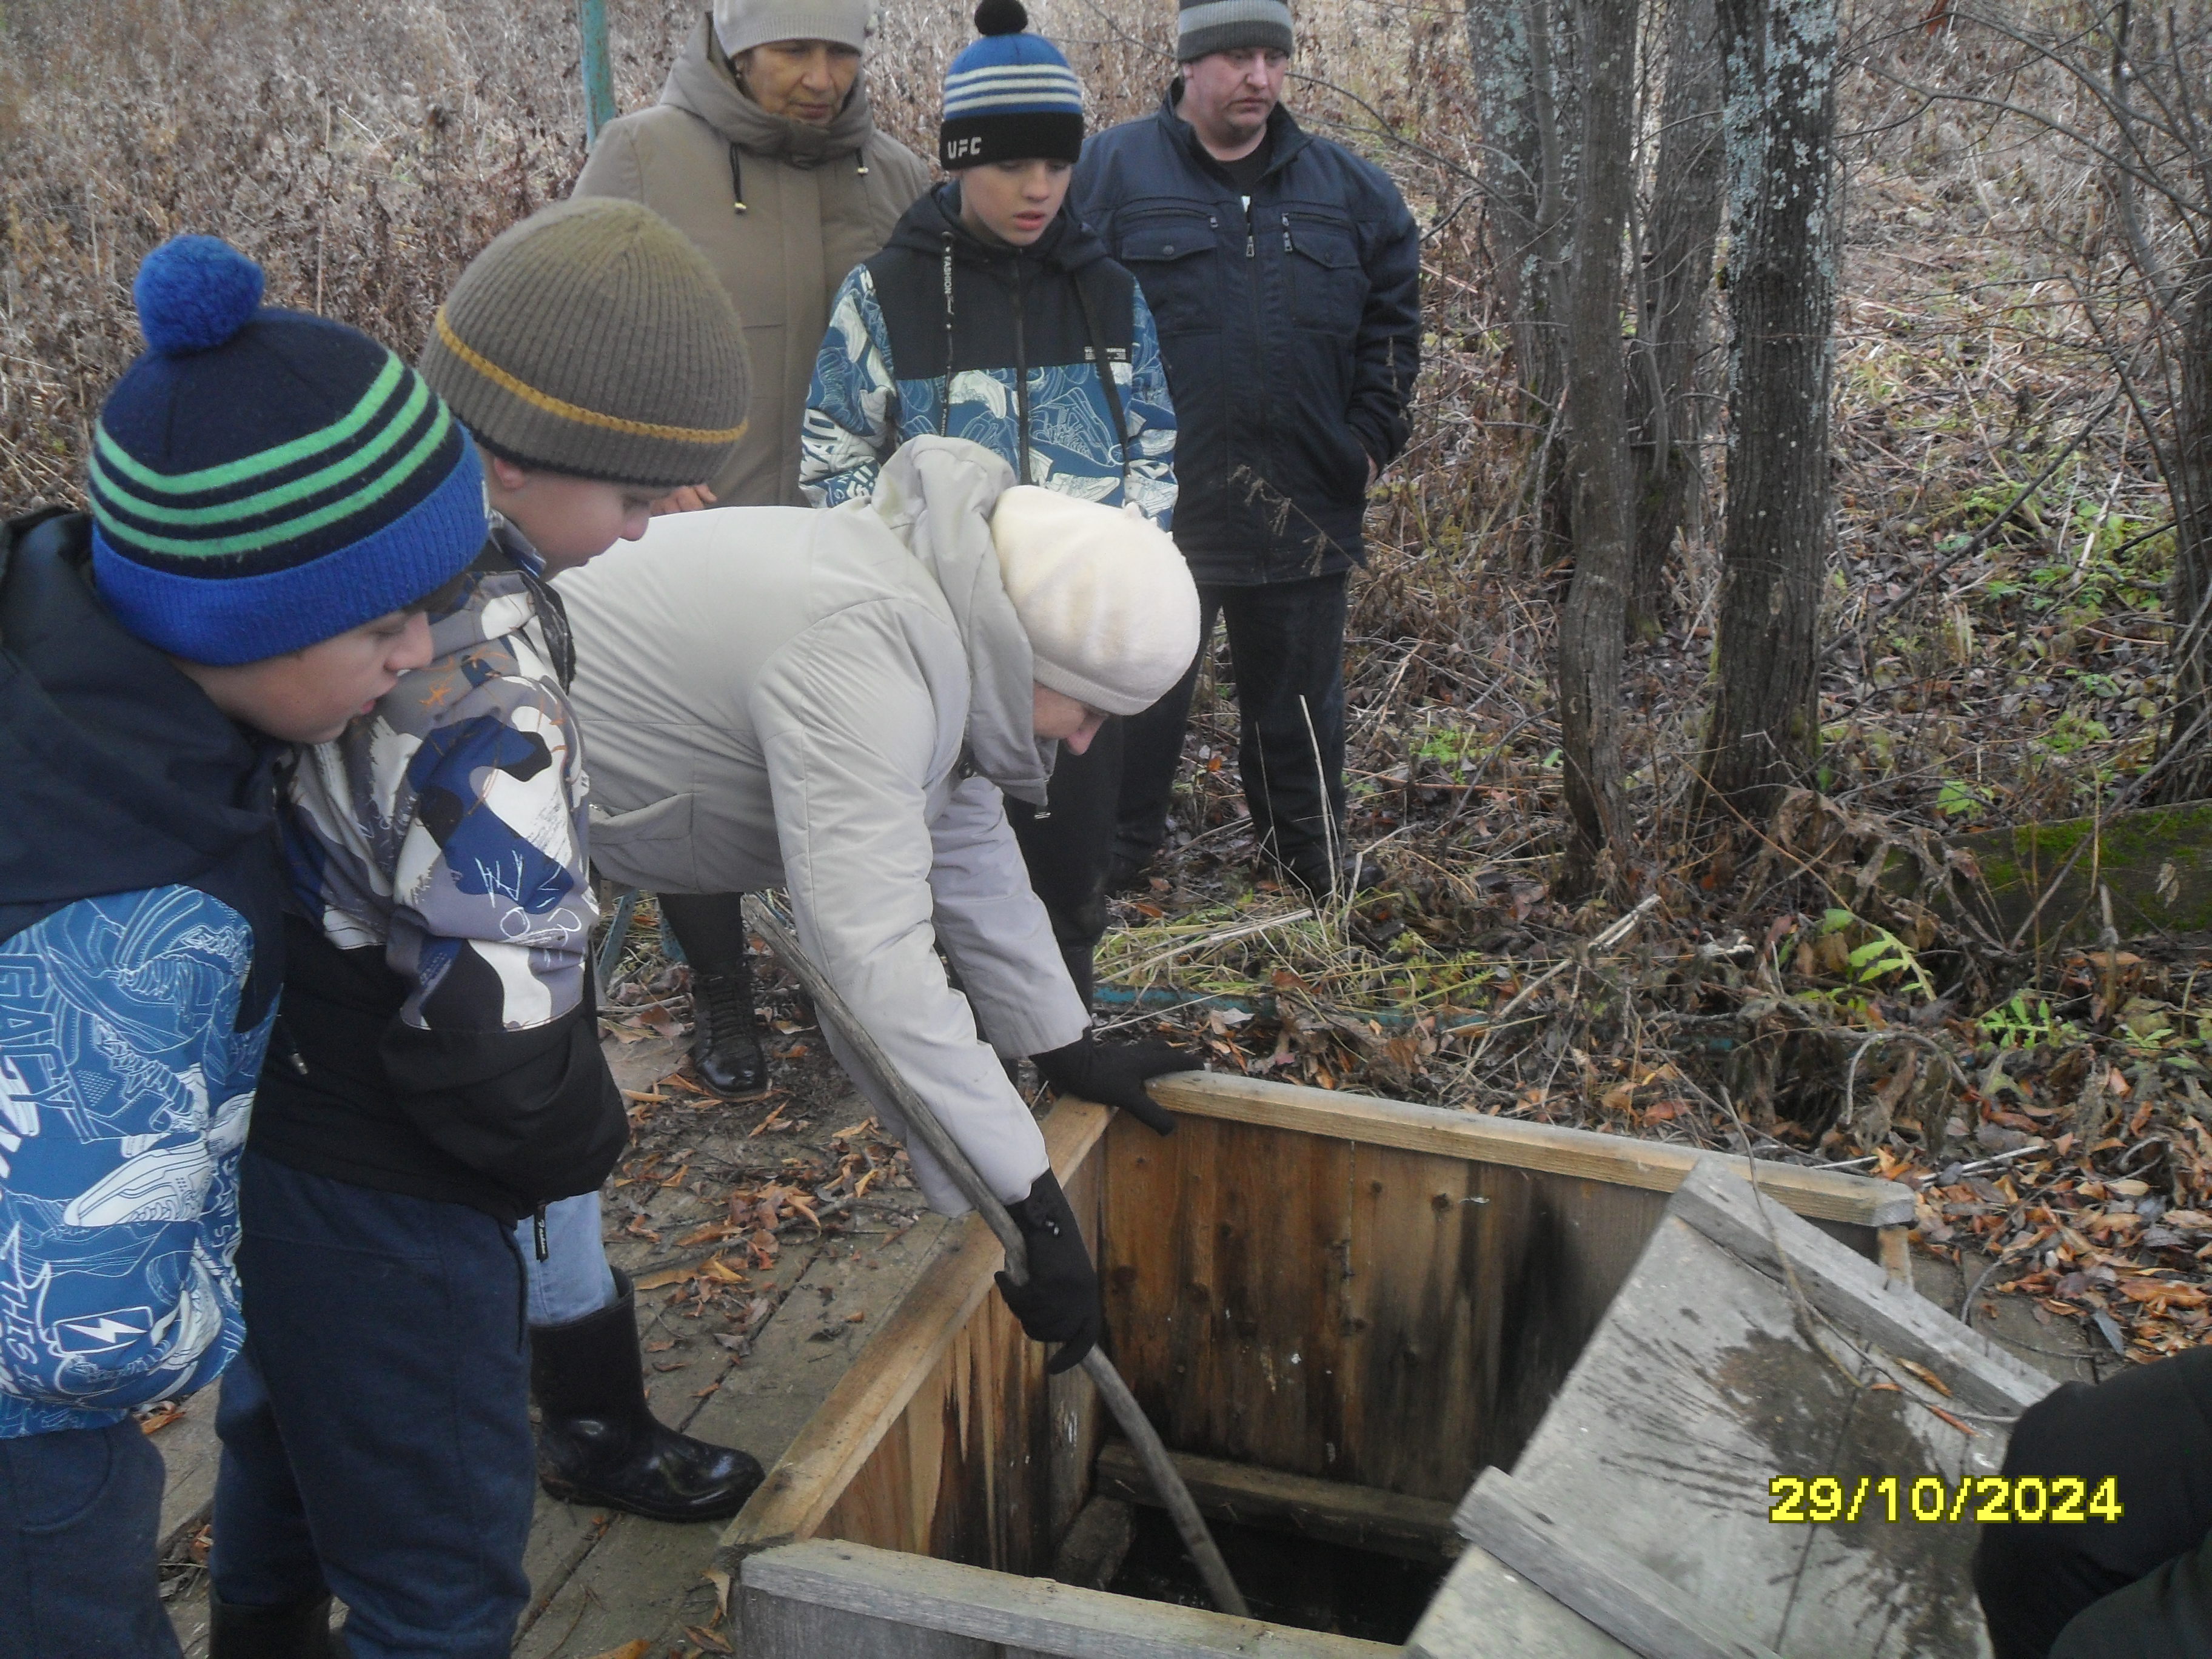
(1523, 63)
(1590, 626)
(1666, 421)
(1778, 62)
(2189, 484)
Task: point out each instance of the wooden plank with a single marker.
(1485, 1610)
(775, 1627)
(1096, 1544)
(810, 1477)
(1035, 1614)
(1075, 1420)
(1855, 1291)
(1659, 1166)
(1702, 1388)
(623, 1578)
(1580, 1570)
(1225, 1248)
(1472, 1290)
(1412, 1529)
(2155, 861)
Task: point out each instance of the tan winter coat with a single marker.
(818, 201)
(833, 701)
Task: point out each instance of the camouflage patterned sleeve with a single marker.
(449, 828)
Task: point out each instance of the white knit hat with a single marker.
(1107, 601)
(741, 25)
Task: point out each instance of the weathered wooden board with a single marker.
(1293, 1300)
(1659, 1166)
(1365, 1517)
(605, 1579)
(1485, 1610)
(2157, 863)
(936, 1440)
(1709, 1379)
(799, 1599)
(1222, 1259)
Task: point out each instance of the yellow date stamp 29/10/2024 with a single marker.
(1984, 1497)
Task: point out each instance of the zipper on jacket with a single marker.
(1021, 374)
(1251, 242)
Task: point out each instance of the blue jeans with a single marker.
(375, 1430)
(80, 1512)
(573, 1279)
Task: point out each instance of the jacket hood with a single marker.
(120, 774)
(936, 493)
(1067, 245)
(698, 82)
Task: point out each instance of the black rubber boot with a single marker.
(302, 1630)
(598, 1444)
(725, 1047)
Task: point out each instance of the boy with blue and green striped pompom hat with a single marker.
(274, 495)
(435, 1110)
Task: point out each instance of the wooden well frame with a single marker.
(1375, 1294)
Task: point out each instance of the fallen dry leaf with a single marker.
(628, 1650)
(1927, 1377)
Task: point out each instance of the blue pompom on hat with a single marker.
(1010, 97)
(262, 479)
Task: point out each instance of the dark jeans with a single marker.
(80, 1512)
(375, 1430)
(2146, 1430)
(1067, 845)
(1287, 651)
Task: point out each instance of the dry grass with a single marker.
(364, 155)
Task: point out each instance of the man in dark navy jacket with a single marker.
(1284, 274)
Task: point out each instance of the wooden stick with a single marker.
(770, 923)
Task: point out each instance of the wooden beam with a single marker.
(1584, 1572)
(840, 1583)
(1654, 1165)
(809, 1477)
(1366, 1517)
(1857, 1294)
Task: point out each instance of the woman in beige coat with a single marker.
(763, 151)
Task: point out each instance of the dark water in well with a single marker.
(1288, 1580)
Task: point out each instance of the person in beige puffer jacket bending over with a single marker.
(838, 701)
(763, 151)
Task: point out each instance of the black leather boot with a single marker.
(302, 1630)
(725, 1047)
(597, 1441)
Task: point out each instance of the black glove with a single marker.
(1115, 1076)
(1059, 1304)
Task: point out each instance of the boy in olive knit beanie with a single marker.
(437, 1077)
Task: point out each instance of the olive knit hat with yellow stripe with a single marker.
(593, 338)
(262, 479)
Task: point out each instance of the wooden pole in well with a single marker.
(598, 76)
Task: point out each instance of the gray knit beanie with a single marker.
(594, 338)
(1205, 26)
(741, 25)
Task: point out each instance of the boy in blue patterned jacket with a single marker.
(435, 1077)
(994, 315)
(273, 496)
